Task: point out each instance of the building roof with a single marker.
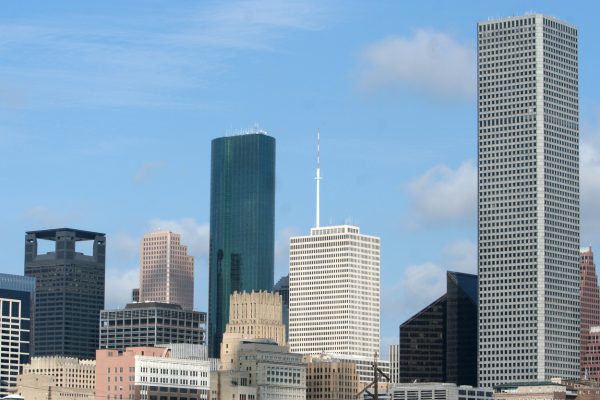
(467, 282)
(50, 234)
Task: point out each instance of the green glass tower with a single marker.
(242, 224)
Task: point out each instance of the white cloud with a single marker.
(432, 62)
(421, 284)
(44, 218)
(460, 256)
(119, 284)
(195, 235)
(146, 170)
(123, 247)
(156, 61)
(444, 195)
(590, 188)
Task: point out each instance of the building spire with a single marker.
(318, 179)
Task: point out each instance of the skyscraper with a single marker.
(590, 312)
(166, 270)
(69, 292)
(17, 295)
(334, 285)
(439, 343)
(528, 191)
(242, 223)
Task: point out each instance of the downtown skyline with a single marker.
(379, 140)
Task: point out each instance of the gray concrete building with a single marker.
(69, 291)
(150, 324)
(528, 199)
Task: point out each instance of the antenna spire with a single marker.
(318, 179)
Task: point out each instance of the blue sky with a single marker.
(107, 110)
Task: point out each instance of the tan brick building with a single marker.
(330, 378)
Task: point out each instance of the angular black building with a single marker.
(423, 344)
(439, 343)
(69, 292)
(242, 224)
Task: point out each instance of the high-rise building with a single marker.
(17, 297)
(166, 270)
(439, 343)
(590, 315)
(282, 287)
(69, 291)
(334, 289)
(242, 223)
(334, 292)
(423, 344)
(528, 198)
(150, 324)
(461, 328)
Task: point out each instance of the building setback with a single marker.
(528, 200)
(242, 223)
(150, 324)
(69, 291)
(166, 270)
(17, 295)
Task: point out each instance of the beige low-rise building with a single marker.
(68, 372)
(57, 378)
(330, 378)
(256, 315)
(44, 387)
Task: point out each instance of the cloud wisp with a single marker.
(421, 284)
(156, 61)
(428, 62)
(443, 195)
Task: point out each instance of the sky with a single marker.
(107, 110)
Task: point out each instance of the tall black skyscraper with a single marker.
(439, 343)
(69, 292)
(242, 223)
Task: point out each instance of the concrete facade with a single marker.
(528, 200)
(329, 378)
(257, 315)
(166, 270)
(150, 373)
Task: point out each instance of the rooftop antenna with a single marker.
(318, 179)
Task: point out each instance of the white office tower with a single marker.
(528, 200)
(334, 291)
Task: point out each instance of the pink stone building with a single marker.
(590, 317)
(115, 372)
(166, 270)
